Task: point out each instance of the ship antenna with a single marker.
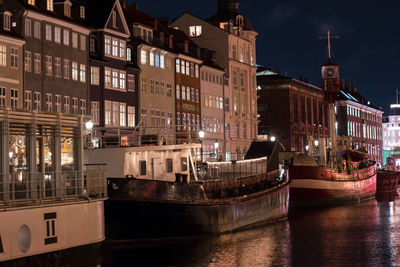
(329, 37)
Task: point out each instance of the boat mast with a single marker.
(331, 87)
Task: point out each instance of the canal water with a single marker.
(362, 234)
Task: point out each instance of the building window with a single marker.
(49, 102)
(197, 71)
(107, 45)
(67, 104)
(94, 75)
(129, 54)
(14, 98)
(115, 79)
(142, 164)
(49, 66)
(48, 32)
(178, 64)
(107, 77)
(2, 96)
(28, 27)
(187, 68)
(151, 58)
(143, 116)
(57, 67)
(28, 100)
(57, 35)
(122, 114)
(83, 42)
(58, 103)
(14, 57)
(114, 47)
(37, 101)
(74, 70)
(157, 60)
(92, 45)
(36, 30)
(162, 61)
(7, 21)
(131, 82)
(82, 12)
(66, 37)
(82, 73)
(122, 48)
(36, 63)
(66, 69)
(178, 91)
(50, 5)
(143, 57)
(74, 40)
(122, 80)
(28, 61)
(195, 31)
(95, 111)
(83, 107)
(169, 90)
(75, 105)
(115, 113)
(3, 55)
(131, 116)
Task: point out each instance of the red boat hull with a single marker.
(324, 186)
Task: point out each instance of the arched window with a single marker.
(239, 20)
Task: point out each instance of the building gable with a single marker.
(116, 22)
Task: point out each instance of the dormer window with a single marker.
(67, 8)
(114, 19)
(50, 5)
(239, 21)
(195, 31)
(82, 12)
(7, 19)
(31, 2)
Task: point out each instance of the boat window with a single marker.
(184, 164)
(169, 165)
(142, 165)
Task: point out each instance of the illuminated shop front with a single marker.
(41, 154)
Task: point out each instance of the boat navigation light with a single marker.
(273, 138)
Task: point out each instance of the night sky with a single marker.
(367, 50)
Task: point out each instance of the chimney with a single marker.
(171, 41)
(164, 21)
(162, 39)
(156, 24)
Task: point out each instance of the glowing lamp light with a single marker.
(202, 134)
(273, 138)
(307, 147)
(89, 125)
(316, 143)
(216, 144)
(10, 154)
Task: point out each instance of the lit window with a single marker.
(14, 98)
(122, 49)
(95, 112)
(143, 57)
(49, 102)
(162, 61)
(49, 66)
(58, 103)
(129, 54)
(66, 69)
(38, 101)
(28, 61)
(7, 21)
(74, 70)
(157, 60)
(66, 37)
(151, 59)
(28, 27)
(82, 73)
(3, 55)
(14, 55)
(50, 5)
(83, 42)
(48, 32)
(2, 96)
(36, 63)
(83, 107)
(67, 104)
(57, 35)
(107, 45)
(107, 77)
(115, 48)
(122, 114)
(57, 67)
(195, 31)
(94, 75)
(131, 82)
(82, 12)
(131, 116)
(122, 76)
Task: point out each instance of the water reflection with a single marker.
(364, 234)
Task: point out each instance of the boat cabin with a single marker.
(163, 163)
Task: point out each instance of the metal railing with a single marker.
(26, 189)
(233, 169)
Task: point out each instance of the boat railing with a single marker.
(30, 189)
(235, 169)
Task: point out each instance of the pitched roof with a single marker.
(98, 14)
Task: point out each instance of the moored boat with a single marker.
(159, 191)
(341, 175)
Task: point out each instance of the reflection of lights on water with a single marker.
(10, 154)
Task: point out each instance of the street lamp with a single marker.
(202, 133)
(273, 138)
(89, 128)
(316, 143)
(216, 146)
